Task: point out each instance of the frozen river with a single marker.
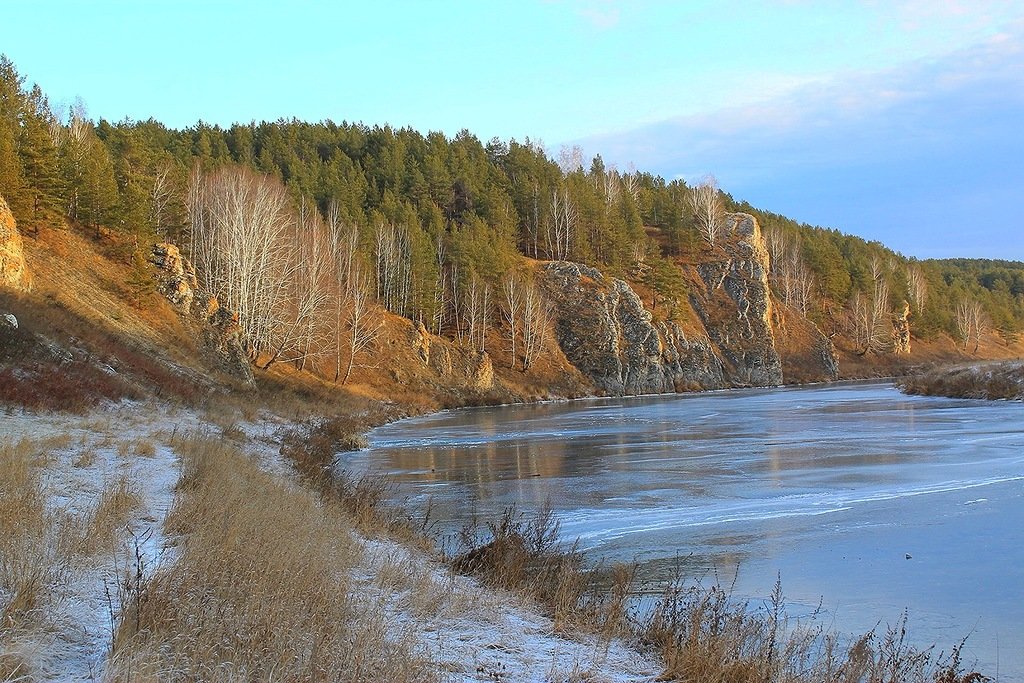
(831, 488)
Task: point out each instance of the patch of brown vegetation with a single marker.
(261, 589)
(993, 381)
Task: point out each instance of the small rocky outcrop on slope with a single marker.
(177, 276)
(219, 333)
(605, 332)
(735, 304)
(13, 271)
(901, 331)
(451, 362)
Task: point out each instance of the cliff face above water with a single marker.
(605, 331)
(735, 304)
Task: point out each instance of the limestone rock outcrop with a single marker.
(605, 332)
(735, 304)
(420, 339)
(14, 273)
(219, 333)
(177, 276)
(221, 336)
(901, 330)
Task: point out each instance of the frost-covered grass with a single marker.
(75, 517)
(261, 590)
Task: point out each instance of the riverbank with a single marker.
(218, 562)
(996, 380)
(745, 478)
(212, 556)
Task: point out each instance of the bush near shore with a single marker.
(1002, 380)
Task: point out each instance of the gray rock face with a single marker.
(606, 333)
(221, 337)
(735, 305)
(9, 321)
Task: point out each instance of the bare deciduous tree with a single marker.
(570, 158)
(707, 208)
(563, 218)
(971, 322)
(861, 327)
(240, 228)
(917, 287)
(363, 329)
(512, 311)
(536, 321)
(393, 253)
(476, 312)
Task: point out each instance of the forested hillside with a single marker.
(303, 228)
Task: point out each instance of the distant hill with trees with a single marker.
(293, 222)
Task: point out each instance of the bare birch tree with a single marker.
(305, 330)
(536, 321)
(570, 158)
(563, 218)
(363, 329)
(917, 287)
(861, 327)
(240, 225)
(512, 311)
(707, 208)
(476, 312)
(393, 254)
(971, 322)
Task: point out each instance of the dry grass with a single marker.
(48, 553)
(85, 459)
(104, 524)
(992, 381)
(31, 566)
(700, 633)
(139, 447)
(260, 590)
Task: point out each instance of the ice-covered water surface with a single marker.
(830, 487)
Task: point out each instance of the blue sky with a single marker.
(897, 121)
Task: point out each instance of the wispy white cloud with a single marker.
(941, 132)
(601, 14)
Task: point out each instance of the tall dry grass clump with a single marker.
(700, 633)
(105, 524)
(32, 564)
(522, 554)
(260, 590)
(993, 381)
(703, 634)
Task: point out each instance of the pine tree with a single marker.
(40, 162)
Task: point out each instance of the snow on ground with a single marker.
(476, 634)
(472, 633)
(88, 454)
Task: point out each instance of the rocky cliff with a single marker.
(13, 271)
(606, 333)
(735, 304)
